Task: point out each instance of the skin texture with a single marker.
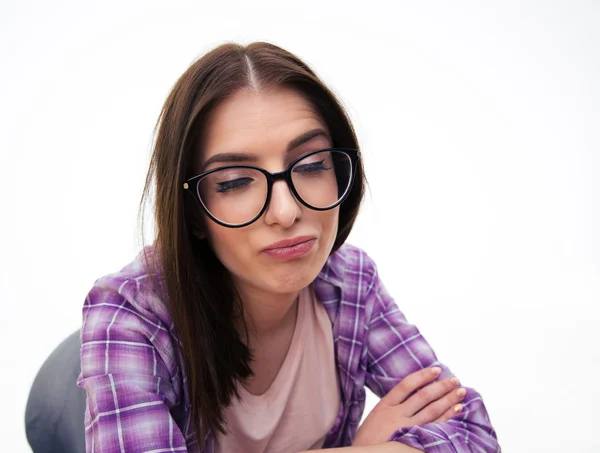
(263, 123)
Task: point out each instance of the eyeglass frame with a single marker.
(285, 175)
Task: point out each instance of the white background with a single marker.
(479, 126)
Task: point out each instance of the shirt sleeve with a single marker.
(129, 388)
(395, 349)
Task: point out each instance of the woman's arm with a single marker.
(128, 384)
(395, 349)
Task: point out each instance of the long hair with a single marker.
(198, 288)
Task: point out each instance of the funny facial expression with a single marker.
(283, 250)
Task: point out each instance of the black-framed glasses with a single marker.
(237, 195)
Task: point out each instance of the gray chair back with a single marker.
(56, 406)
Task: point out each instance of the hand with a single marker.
(433, 403)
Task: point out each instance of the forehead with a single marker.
(256, 121)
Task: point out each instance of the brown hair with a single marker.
(201, 297)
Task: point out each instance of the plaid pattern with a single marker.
(137, 398)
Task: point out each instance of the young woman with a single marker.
(249, 325)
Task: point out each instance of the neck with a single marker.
(266, 314)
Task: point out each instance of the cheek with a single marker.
(228, 244)
(329, 223)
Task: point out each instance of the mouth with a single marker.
(291, 248)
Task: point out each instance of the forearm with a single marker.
(388, 447)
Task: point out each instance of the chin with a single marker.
(291, 281)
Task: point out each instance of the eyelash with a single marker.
(311, 167)
(233, 184)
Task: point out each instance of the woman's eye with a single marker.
(233, 184)
(312, 168)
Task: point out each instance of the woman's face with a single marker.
(269, 129)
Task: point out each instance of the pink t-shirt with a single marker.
(302, 403)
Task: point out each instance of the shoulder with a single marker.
(349, 267)
(128, 297)
(347, 285)
(126, 323)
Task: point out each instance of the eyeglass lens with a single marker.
(237, 195)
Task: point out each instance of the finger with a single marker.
(409, 384)
(438, 408)
(428, 395)
(450, 413)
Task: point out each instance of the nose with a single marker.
(283, 207)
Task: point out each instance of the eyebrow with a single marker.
(244, 157)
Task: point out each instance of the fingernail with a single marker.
(455, 381)
(458, 408)
(461, 392)
(436, 370)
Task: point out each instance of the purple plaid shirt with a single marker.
(137, 398)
